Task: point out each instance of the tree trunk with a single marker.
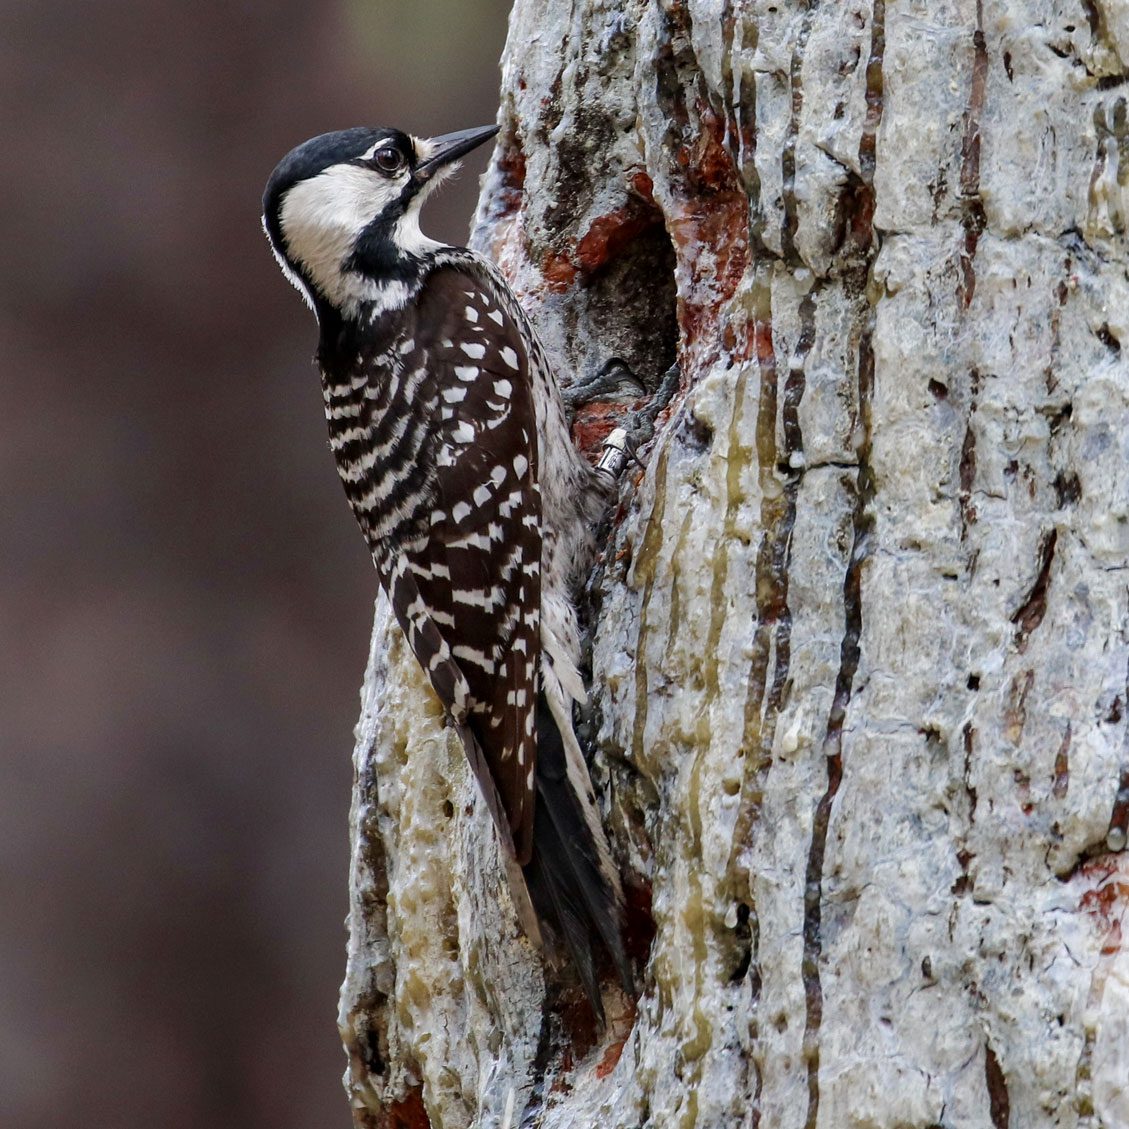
(861, 647)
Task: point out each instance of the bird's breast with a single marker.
(380, 435)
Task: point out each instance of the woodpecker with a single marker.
(450, 436)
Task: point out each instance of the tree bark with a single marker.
(861, 646)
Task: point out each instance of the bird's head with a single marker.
(342, 210)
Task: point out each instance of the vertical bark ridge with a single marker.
(772, 633)
(971, 206)
(967, 468)
(833, 740)
(788, 151)
(643, 570)
(739, 37)
(861, 522)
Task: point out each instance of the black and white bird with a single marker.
(447, 425)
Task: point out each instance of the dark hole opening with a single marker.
(632, 303)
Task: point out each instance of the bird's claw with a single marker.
(615, 381)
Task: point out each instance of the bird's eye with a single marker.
(388, 159)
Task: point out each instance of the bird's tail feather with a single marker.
(569, 889)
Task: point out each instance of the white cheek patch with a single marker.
(322, 217)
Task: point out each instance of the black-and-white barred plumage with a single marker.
(451, 441)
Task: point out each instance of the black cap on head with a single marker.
(313, 156)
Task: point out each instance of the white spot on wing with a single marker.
(474, 655)
(473, 598)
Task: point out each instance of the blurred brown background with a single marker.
(184, 598)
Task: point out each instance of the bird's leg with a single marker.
(618, 448)
(622, 445)
(640, 426)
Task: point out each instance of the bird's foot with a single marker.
(614, 383)
(640, 426)
(613, 413)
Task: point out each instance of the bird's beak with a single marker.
(441, 151)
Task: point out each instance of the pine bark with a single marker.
(860, 658)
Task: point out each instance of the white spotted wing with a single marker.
(478, 569)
